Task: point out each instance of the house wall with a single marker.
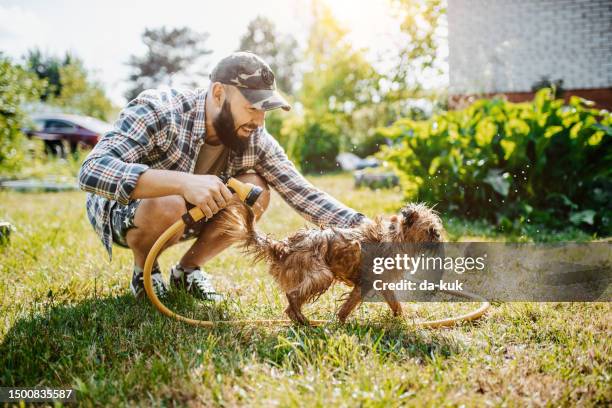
(505, 46)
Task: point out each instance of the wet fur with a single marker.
(306, 263)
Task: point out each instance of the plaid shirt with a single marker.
(165, 129)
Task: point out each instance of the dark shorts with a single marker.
(122, 220)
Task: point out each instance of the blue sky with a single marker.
(105, 33)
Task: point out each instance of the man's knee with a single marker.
(161, 210)
(153, 216)
(263, 201)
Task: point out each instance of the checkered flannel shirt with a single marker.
(165, 129)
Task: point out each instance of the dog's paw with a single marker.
(296, 316)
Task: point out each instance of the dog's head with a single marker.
(416, 223)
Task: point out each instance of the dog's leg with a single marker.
(395, 306)
(351, 303)
(315, 283)
(294, 310)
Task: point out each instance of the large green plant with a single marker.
(513, 163)
(319, 147)
(16, 87)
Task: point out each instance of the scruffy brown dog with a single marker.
(306, 263)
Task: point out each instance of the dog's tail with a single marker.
(237, 222)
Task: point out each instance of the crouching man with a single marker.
(169, 152)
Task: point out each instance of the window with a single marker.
(59, 126)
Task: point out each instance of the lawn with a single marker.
(70, 320)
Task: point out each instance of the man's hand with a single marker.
(206, 191)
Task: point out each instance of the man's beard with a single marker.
(226, 130)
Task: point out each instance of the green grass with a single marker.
(69, 320)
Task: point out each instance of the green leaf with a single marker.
(606, 129)
(596, 138)
(518, 126)
(578, 101)
(542, 119)
(564, 199)
(541, 97)
(435, 163)
(497, 181)
(508, 146)
(586, 216)
(485, 130)
(526, 208)
(552, 130)
(575, 129)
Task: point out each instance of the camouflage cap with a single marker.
(253, 77)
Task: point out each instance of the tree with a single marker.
(47, 67)
(339, 83)
(67, 84)
(422, 23)
(170, 53)
(81, 95)
(18, 86)
(279, 51)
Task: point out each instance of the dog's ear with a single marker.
(409, 216)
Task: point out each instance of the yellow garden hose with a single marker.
(243, 190)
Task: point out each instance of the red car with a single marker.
(61, 130)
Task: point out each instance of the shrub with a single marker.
(320, 145)
(16, 87)
(539, 162)
(370, 145)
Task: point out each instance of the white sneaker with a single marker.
(196, 282)
(138, 289)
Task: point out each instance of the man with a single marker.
(170, 150)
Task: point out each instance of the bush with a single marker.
(512, 163)
(320, 145)
(370, 145)
(16, 87)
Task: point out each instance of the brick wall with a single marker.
(504, 46)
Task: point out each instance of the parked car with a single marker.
(61, 130)
(350, 162)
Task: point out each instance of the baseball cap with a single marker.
(253, 77)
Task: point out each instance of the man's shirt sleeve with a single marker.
(313, 204)
(114, 165)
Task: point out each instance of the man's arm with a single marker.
(206, 191)
(313, 204)
(115, 168)
(115, 164)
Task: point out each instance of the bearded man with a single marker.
(170, 150)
